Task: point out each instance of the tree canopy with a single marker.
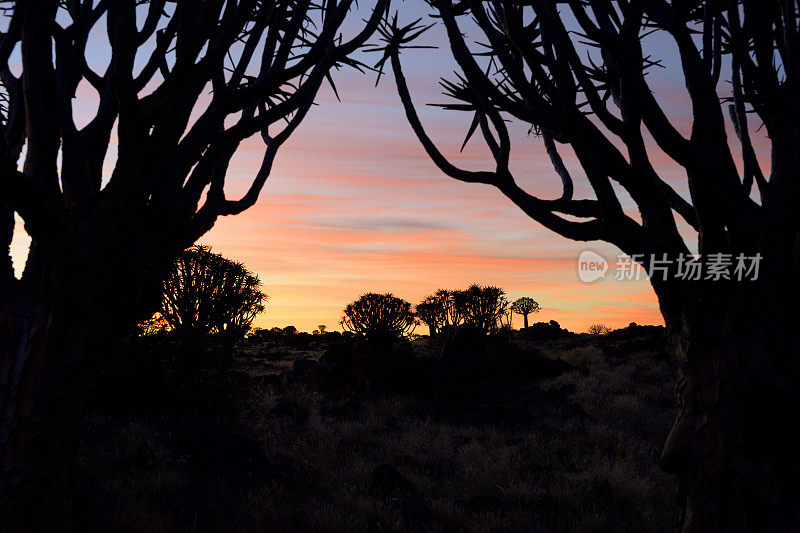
(185, 84)
(379, 317)
(207, 294)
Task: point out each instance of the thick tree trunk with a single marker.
(52, 350)
(734, 445)
(525, 320)
(41, 418)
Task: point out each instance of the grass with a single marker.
(586, 462)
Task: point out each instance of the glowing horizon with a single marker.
(354, 205)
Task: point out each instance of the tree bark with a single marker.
(525, 320)
(733, 446)
(53, 348)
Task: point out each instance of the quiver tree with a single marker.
(379, 317)
(481, 307)
(185, 84)
(525, 306)
(207, 294)
(575, 73)
(438, 312)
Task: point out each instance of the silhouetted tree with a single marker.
(576, 73)
(525, 306)
(438, 312)
(185, 83)
(504, 322)
(481, 307)
(379, 317)
(429, 313)
(598, 329)
(207, 294)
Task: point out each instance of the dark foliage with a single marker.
(481, 307)
(207, 294)
(543, 331)
(598, 329)
(379, 317)
(422, 444)
(438, 312)
(167, 374)
(525, 306)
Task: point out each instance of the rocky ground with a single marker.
(505, 434)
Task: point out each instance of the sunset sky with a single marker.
(354, 205)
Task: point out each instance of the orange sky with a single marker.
(354, 206)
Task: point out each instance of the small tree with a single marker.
(481, 307)
(379, 317)
(525, 306)
(438, 312)
(207, 294)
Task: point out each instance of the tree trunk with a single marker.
(733, 446)
(525, 320)
(52, 349)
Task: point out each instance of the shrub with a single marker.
(207, 294)
(379, 317)
(482, 307)
(543, 331)
(599, 329)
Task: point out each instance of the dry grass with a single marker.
(590, 466)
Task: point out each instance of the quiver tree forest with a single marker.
(184, 85)
(576, 74)
(139, 390)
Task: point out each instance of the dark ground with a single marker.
(303, 433)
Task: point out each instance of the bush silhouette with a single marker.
(379, 317)
(599, 329)
(481, 307)
(207, 294)
(542, 331)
